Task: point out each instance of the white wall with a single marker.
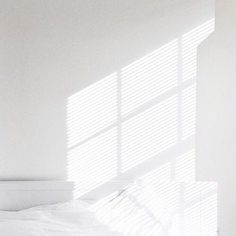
(52, 49)
(216, 113)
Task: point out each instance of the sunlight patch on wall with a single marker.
(190, 42)
(149, 133)
(149, 77)
(188, 111)
(94, 162)
(136, 114)
(185, 167)
(92, 109)
(159, 175)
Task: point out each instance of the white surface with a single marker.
(52, 49)
(216, 113)
(151, 208)
(16, 195)
(67, 219)
(141, 209)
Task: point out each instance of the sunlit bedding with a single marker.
(143, 208)
(64, 219)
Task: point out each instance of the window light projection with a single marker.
(144, 113)
(86, 161)
(97, 102)
(190, 41)
(150, 76)
(149, 133)
(188, 111)
(185, 167)
(160, 174)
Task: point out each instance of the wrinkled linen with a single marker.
(64, 219)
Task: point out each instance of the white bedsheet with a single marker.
(65, 219)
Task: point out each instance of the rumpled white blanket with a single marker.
(64, 219)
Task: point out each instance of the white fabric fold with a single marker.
(64, 219)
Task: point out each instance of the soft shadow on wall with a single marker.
(138, 124)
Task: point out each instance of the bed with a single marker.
(142, 208)
(46, 208)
